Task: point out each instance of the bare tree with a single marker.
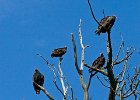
(116, 83)
(121, 85)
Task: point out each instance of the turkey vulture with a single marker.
(98, 63)
(39, 79)
(105, 24)
(59, 52)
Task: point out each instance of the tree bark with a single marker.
(109, 70)
(86, 94)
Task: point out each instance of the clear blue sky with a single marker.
(28, 27)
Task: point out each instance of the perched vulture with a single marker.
(105, 24)
(59, 52)
(98, 63)
(39, 79)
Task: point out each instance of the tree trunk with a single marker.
(86, 94)
(110, 70)
(111, 94)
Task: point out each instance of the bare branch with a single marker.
(76, 64)
(44, 90)
(93, 13)
(96, 69)
(121, 46)
(121, 90)
(62, 78)
(72, 93)
(89, 82)
(48, 64)
(133, 83)
(58, 87)
(80, 71)
(122, 73)
(75, 55)
(126, 58)
(82, 45)
(133, 91)
(80, 33)
(102, 82)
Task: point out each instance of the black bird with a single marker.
(59, 52)
(98, 63)
(39, 79)
(105, 24)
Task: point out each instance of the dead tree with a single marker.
(116, 83)
(121, 86)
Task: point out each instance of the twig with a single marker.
(104, 13)
(58, 87)
(72, 93)
(93, 13)
(102, 82)
(51, 67)
(121, 46)
(89, 82)
(121, 90)
(135, 88)
(48, 64)
(122, 73)
(126, 58)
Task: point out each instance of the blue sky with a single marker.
(28, 27)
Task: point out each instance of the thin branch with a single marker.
(102, 82)
(89, 82)
(122, 73)
(50, 66)
(72, 93)
(44, 90)
(126, 58)
(121, 46)
(135, 88)
(93, 13)
(121, 90)
(58, 87)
